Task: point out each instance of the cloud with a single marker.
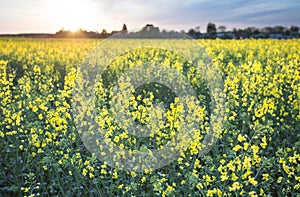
(176, 14)
(200, 12)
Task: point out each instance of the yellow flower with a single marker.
(120, 186)
(40, 116)
(235, 186)
(199, 186)
(116, 139)
(234, 177)
(143, 179)
(224, 177)
(231, 166)
(265, 177)
(170, 188)
(264, 142)
(84, 172)
(246, 145)
(259, 112)
(35, 108)
(241, 138)
(210, 193)
(133, 174)
(279, 179)
(252, 181)
(115, 175)
(255, 149)
(237, 148)
(252, 194)
(103, 171)
(25, 189)
(91, 175)
(247, 162)
(293, 160)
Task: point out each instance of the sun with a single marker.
(75, 14)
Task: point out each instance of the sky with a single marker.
(49, 16)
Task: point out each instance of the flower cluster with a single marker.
(257, 152)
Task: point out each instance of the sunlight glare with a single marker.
(74, 14)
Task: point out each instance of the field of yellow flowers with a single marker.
(257, 152)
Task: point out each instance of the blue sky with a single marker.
(18, 16)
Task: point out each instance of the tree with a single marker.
(211, 28)
(222, 28)
(256, 31)
(192, 33)
(294, 29)
(104, 32)
(268, 30)
(124, 29)
(279, 29)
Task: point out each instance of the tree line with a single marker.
(212, 32)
